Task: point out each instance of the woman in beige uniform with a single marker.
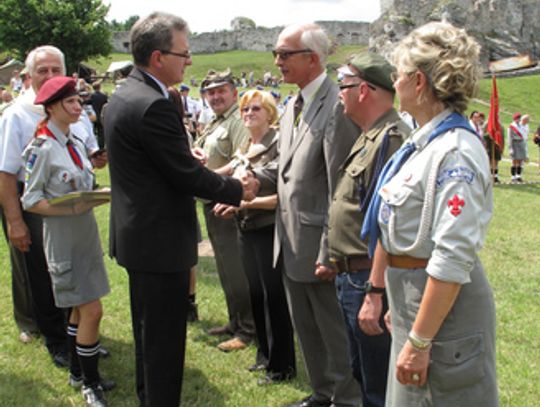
(432, 209)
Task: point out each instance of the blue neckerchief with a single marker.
(371, 226)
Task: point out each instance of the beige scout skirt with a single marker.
(75, 259)
(462, 367)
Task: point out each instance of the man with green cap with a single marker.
(367, 95)
(220, 139)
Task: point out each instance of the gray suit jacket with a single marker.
(306, 173)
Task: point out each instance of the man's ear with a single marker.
(363, 92)
(315, 60)
(155, 60)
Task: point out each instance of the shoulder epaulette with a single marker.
(394, 131)
(39, 141)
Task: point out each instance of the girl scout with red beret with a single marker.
(56, 164)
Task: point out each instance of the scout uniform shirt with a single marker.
(50, 170)
(71, 243)
(222, 137)
(356, 176)
(452, 173)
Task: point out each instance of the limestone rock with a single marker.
(503, 28)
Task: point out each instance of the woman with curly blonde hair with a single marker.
(428, 221)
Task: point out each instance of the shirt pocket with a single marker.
(394, 203)
(61, 275)
(223, 143)
(354, 190)
(457, 363)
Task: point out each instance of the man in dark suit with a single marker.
(153, 220)
(315, 139)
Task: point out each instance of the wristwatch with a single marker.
(370, 288)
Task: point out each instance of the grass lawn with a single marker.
(213, 378)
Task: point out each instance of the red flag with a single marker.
(494, 125)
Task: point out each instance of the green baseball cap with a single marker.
(370, 67)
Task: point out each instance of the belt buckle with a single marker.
(337, 263)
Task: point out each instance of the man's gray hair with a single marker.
(315, 38)
(47, 49)
(154, 33)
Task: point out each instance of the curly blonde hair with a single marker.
(449, 58)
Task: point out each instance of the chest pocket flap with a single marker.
(395, 196)
(223, 142)
(355, 169)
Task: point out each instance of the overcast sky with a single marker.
(210, 15)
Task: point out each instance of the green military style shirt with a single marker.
(356, 174)
(222, 137)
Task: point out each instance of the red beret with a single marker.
(55, 89)
(516, 116)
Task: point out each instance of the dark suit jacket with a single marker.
(153, 179)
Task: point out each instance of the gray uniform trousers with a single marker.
(224, 239)
(318, 318)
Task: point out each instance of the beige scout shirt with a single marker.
(460, 208)
(356, 175)
(222, 137)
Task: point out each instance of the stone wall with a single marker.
(258, 39)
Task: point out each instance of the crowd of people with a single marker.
(334, 218)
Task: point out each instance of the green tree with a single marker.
(130, 22)
(77, 27)
(116, 25)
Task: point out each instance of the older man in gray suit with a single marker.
(311, 151)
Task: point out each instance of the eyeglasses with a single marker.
(353, 85)
(253, 108)
(342, 86)
(186, 54)
(284, 55)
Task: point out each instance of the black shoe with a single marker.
(257, 367)
(310, 402)
(93, 396)
(77, 382)
(60, 359)
(272, 378)
(104, 352)
(192, 314)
